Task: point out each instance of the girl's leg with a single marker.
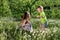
(42, 27)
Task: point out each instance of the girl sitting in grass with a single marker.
(25, 24)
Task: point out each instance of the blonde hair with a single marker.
(40, 7)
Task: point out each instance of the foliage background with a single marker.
(11, 10)
(16, 8)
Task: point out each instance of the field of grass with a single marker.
(9, 30)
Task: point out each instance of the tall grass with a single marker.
(9, 30)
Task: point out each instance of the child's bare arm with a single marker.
(22, 23)
(40, 16)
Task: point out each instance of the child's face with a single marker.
(39, 9)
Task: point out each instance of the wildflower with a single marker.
(33, 34)
(55, 29)
(51, 34)
(29, 36)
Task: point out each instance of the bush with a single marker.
(15, 9)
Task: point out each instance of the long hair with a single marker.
(26, 16)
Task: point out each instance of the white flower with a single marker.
(25, 33)
(55, 29)
(51, 34)
(33, 34)
(29, 36)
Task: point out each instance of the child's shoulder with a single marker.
(43, 13)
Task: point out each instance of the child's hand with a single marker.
(38, 16)
(42, 16)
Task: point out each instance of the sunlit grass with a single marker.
(9, 30)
